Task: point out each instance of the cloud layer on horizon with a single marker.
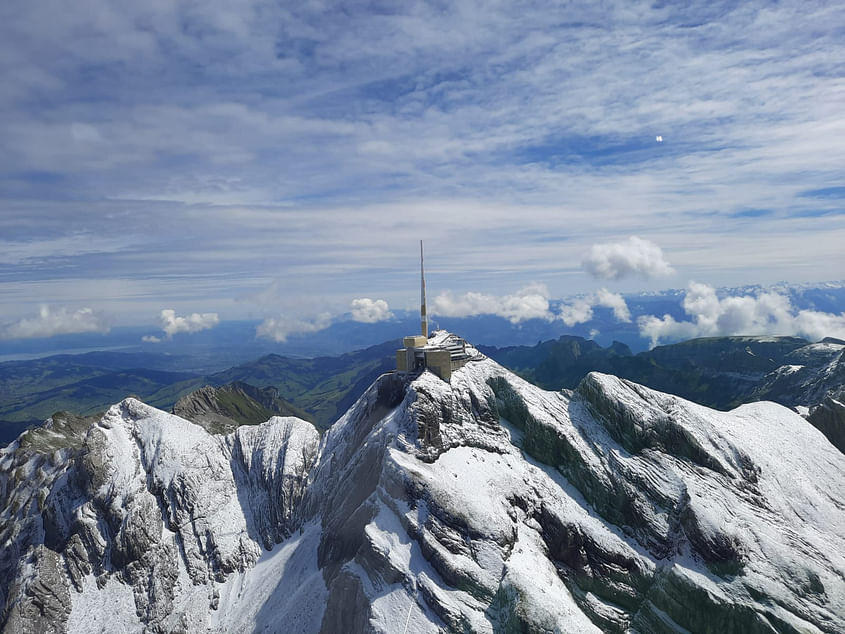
(581, 310)
(530, 302)
(279, 328)
(766, 313)
(50, 322)
(172, 324)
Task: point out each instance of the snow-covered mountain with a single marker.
(813, 382)
(809, 374)
(485, 505)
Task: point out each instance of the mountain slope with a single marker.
(633, 509)
(225, 408)
(720, 372)
(325, 387)
(807, 375)
(812, 379)
(483, 505)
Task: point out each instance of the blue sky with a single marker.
(255, 159)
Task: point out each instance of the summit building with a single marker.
(442, 352)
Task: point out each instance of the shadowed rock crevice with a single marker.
(829, 417)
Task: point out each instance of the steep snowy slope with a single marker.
(144, 511)
(484, 505)
(490, 505)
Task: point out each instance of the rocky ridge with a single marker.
(221, 410)
(485, 505)
(145, 501)
(813, 382)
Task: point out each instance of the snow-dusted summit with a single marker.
(480, 505)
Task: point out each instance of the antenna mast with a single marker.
(423, 316)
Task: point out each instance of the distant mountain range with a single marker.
(221, 410)
(31, 391)
(714, 371)
(719, 372)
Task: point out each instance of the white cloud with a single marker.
(616, 302)
(172, 324)
(280, 328)
(667, 328)
(581, 310)
(531, 302)
(151, 339)
(818, 325)
(634, 256)
(370, 311)
(51, 322)
(578, 312)
(765, 313)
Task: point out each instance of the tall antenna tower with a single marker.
(423, 316)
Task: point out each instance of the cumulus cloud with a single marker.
(531, 302)
(578, 312)
(172, 324)
(581, 310)
(50, 322)
(280, 328)
(761, 314)
(634, 256)
(614, 301)
(370, 311)
(151, 339)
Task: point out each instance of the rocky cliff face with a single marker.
(808, 375)
(484, 505)
(500, 507)
(829, 418)
(813, 381)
